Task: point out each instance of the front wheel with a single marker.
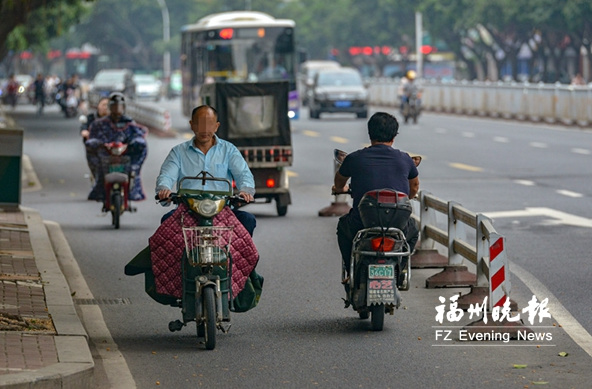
(209, 305)
(377, 320)
(116, 209)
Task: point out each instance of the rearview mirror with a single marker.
(339, 155)
(416, 159)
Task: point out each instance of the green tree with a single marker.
(29, 24)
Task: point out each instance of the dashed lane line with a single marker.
(339, 139)
(539, 145)
(581, 151)
(501, 139)
(312, 134)
(525, 182)
(569, 193)
(462, 166)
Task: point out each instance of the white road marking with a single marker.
(561, 218)
(538, 145)
(581, 151)
(501, 139)
(569, 323)
(468, 134)
(569, 193)
(524, 182)
(441, 130)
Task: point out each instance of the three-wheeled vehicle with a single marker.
(254, 117)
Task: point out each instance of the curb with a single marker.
(76, 366)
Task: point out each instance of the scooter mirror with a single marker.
(339, 155)
(416, 159)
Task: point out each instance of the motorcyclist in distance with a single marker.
(116, 127)
(410, 88)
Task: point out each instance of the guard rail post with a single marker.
(495, 265)
(338, 207)
(426, 256)
(455, 273)
(485, 251)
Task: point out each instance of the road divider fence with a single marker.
(550, 103)
(487, 253)
(155, 118)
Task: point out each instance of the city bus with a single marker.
(238, 47)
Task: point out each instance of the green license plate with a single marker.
(117, 168)
(381, 271)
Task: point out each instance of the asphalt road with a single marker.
(300, 335)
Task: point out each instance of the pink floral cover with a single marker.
(167, 246)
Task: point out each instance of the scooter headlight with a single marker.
(206, 207)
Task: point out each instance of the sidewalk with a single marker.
(42, 340)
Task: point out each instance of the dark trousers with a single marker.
(136, 150)
(347, 228)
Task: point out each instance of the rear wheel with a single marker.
(209, 305)
(282, 210)
(377, 320)
(116, 211)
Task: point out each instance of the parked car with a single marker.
(107, 81)
(338, 90)
(148, 86)
(306, 74)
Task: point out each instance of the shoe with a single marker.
(94, 196)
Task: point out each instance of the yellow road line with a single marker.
(338, 139)
(462, 166)
(290, 173)
(312, 134)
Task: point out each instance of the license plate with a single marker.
(381, 271)
(343, 104)
(116, 168)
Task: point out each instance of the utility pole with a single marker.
(419, 44)
(166, 35)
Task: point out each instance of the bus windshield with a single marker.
(248, 55)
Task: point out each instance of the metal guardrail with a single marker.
(155, 118)
(563, 104)
(487, 252)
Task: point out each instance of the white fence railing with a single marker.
(571, 105)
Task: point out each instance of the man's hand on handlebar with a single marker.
(164, 194)
(246, 197)
(336, 191)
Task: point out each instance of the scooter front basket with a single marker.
(207, 245)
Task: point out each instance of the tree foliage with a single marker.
(30, 24)
(478, 32)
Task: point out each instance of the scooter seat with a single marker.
(116, 178)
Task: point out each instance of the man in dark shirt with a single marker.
(379, 166)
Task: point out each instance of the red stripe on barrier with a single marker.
(501, 301)
(495, 249)
(498, 278)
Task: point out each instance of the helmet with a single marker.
(116, 98)
(411, 74)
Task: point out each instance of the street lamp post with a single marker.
(166, 58)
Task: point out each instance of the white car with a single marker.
(148, 86)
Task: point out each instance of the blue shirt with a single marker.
(222, 160)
